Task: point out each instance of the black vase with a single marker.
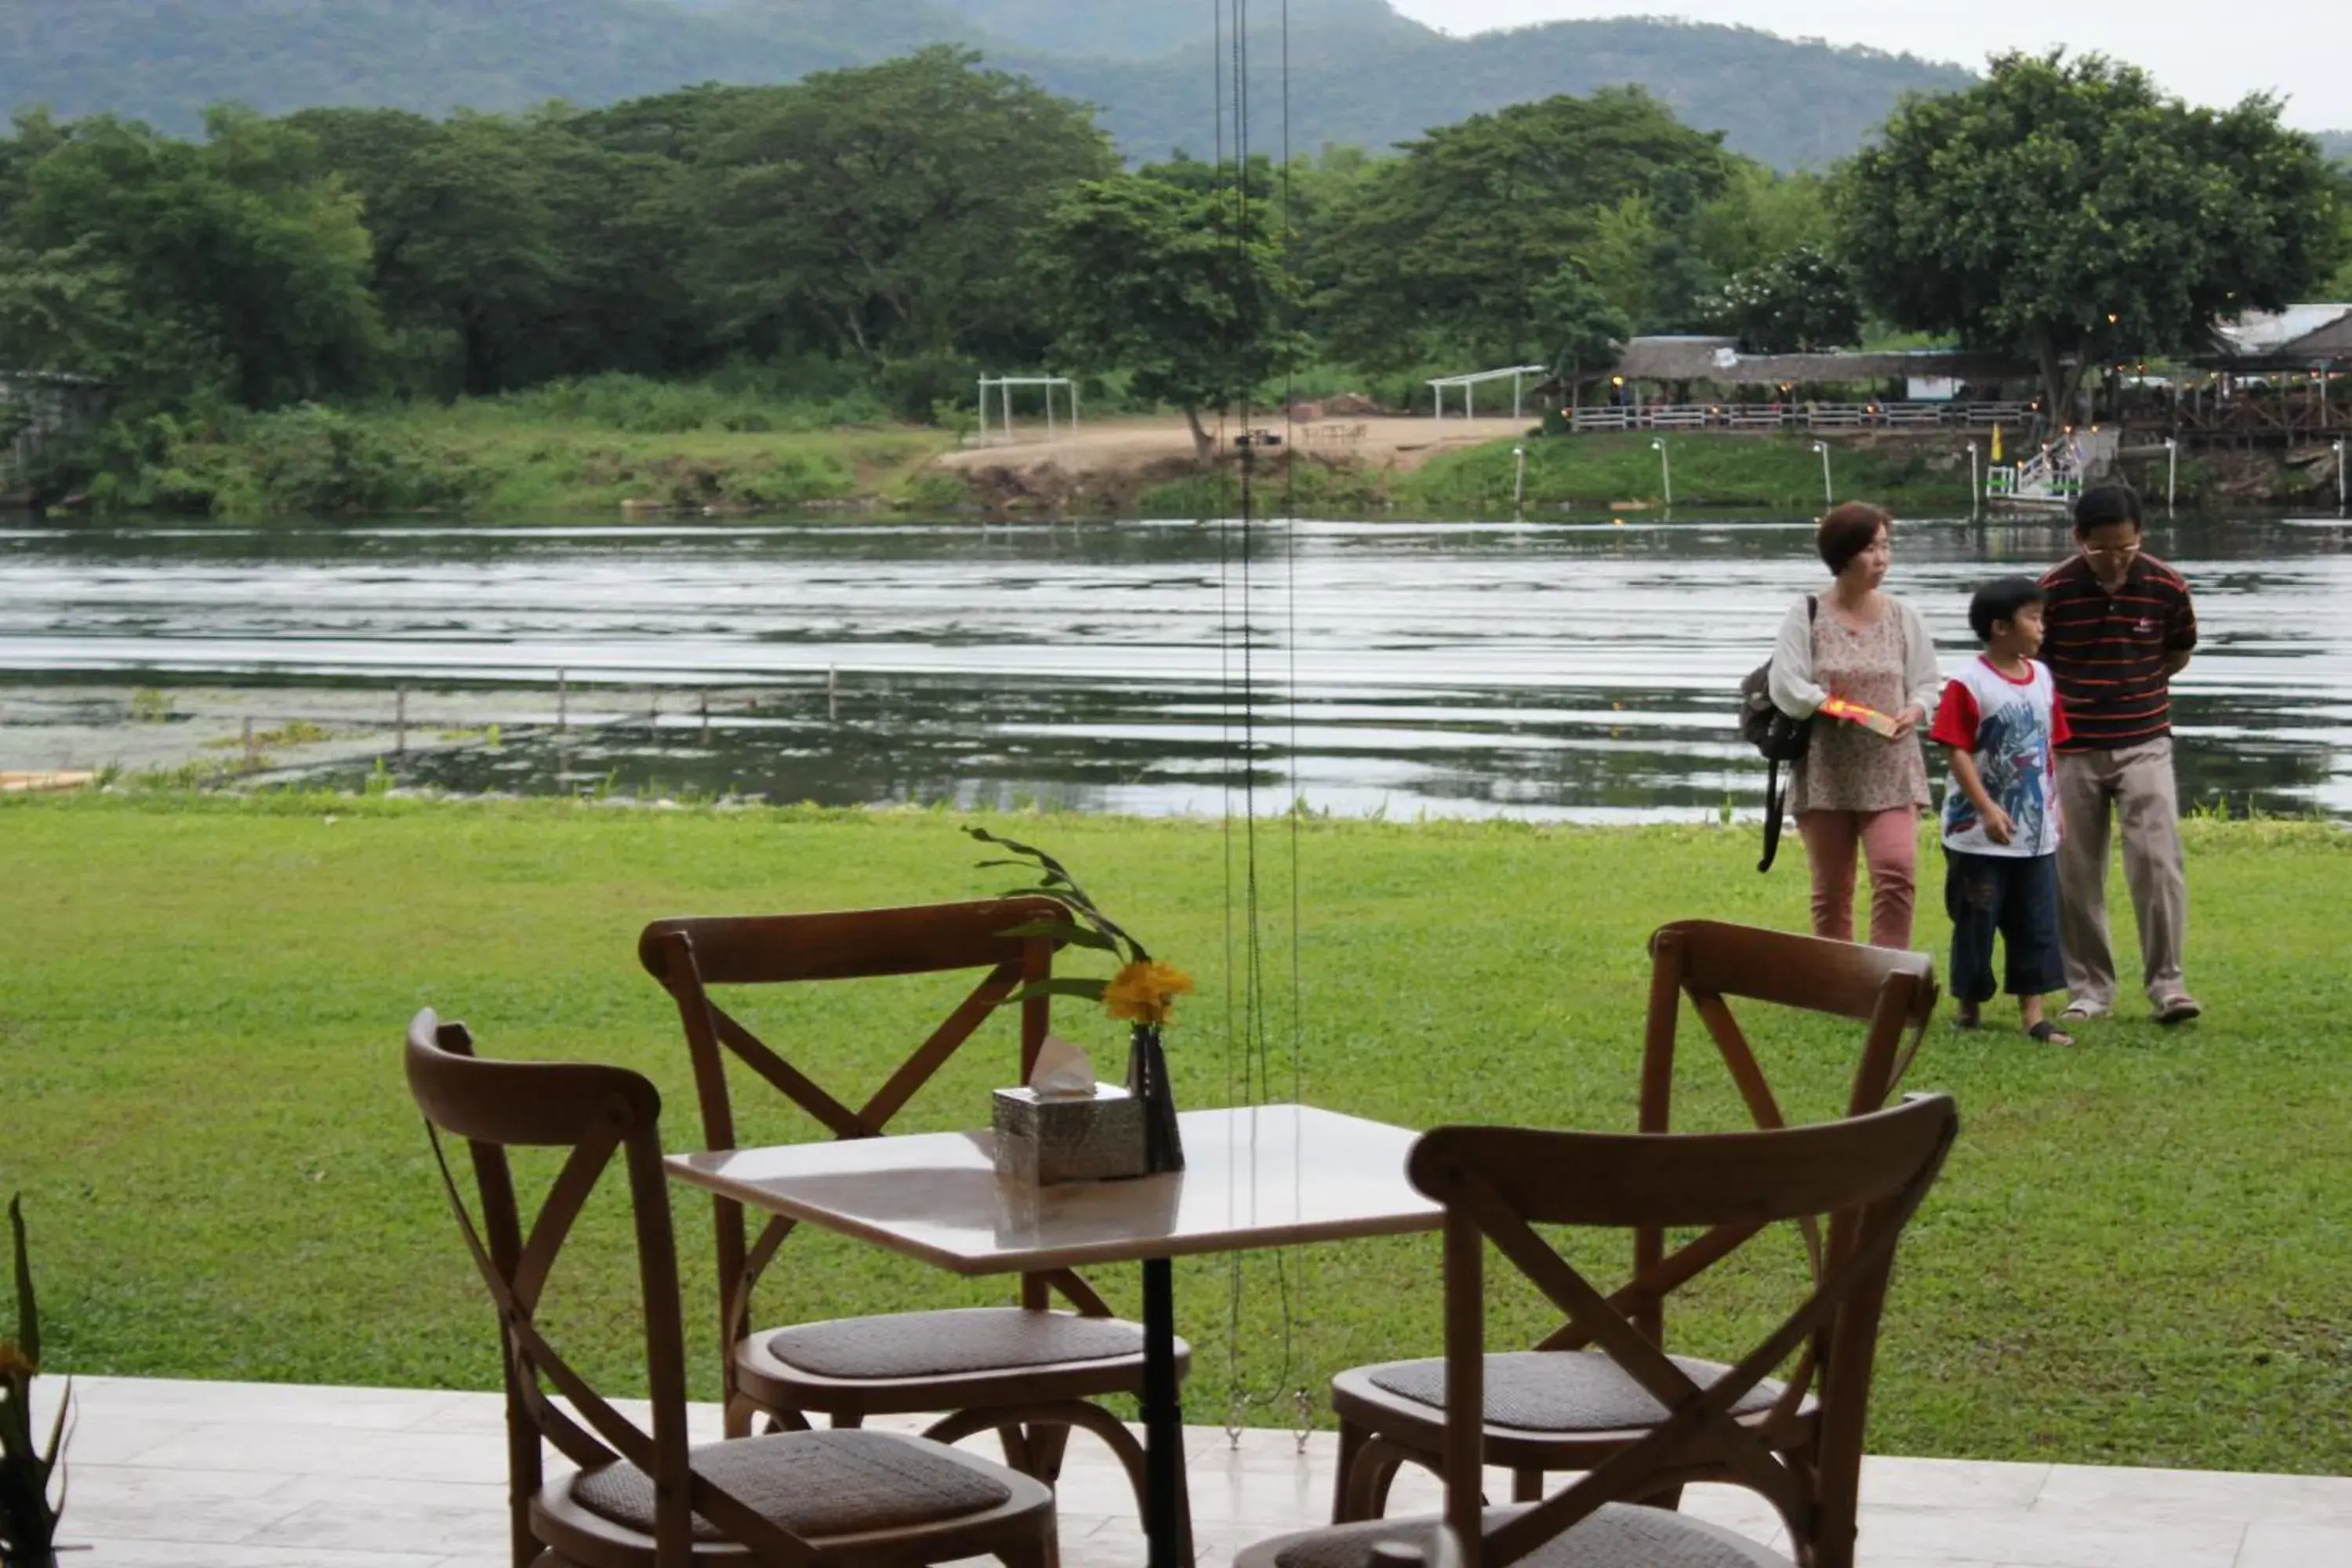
(1146, 1080)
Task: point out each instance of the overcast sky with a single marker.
(2300, 49)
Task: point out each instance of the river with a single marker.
(1543, 670)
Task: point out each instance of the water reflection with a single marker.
(1575, 670)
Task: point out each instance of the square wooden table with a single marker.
(1265, 1176)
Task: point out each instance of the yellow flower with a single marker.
(13, 1362)
(1146, 992)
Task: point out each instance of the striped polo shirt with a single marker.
(2108, 650)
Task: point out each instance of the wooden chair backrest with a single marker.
(690, 956)
(1711, 963)
(595, 1113)
(1497, 1184)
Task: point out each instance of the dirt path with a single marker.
(1128, 448)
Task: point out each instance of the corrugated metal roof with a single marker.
(2273, 331)
(1719, 359)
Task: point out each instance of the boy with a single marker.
(2121, 625)
(2001, 723)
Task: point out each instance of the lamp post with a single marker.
(2171, 475)
(1666, 468)
(1829, 490)
(1519, 484)
(1976, 481)
(2339, 479)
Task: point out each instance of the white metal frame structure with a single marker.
(1470, 383)
(1003, 385)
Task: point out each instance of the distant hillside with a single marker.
(1793, 105)
(2336, 145)
(1132, 31)
(165, 61)
(1360, 73)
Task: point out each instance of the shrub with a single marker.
(316, 460)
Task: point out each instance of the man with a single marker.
(2120, 625)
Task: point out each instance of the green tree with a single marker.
(236, 266)
(1580, 328)
(1181, 289)
(1616, 254)
(510, 250)
(1444, 251)
(880, 212)
(1760, 214)
(2340, 286)
(1798, 301)
(2068, 211)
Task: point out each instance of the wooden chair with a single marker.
(1567, 1409)
(1870, 1172)
(648, 1500)
(1029, 1371)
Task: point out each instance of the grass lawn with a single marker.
(2140, 1252)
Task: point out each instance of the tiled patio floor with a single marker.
(207, 1475)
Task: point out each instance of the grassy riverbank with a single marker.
(619, 446)
(2137, 1256)
(1600, 474)
(1757, 474)
(534, 463)
(641, 448)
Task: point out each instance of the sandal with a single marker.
(2081, 1012)
(2178, 1010)
(2050, 1034)
(1968, 1018)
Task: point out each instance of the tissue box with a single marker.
(1044, 1140)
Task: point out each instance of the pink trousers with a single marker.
(1890, 840)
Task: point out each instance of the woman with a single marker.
(1857, 788)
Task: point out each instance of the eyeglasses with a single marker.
(2111, 551)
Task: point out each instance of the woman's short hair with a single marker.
(1850, 530)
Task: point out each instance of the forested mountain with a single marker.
(1362, 74)
(1085, 29)
(2336, 145)
(1790, 105)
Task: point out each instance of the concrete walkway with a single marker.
(218, 1475)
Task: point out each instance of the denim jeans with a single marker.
(2016, 898)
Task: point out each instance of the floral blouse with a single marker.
(1887, 665)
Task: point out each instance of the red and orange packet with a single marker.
(1870, 719)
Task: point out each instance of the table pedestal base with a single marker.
(1165, 1505)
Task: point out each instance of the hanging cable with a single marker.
(1224, 581)
(1304, 1413)
(1241, 1042)
(1250, 316)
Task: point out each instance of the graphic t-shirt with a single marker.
(2013, 729)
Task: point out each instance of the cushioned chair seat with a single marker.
(940, 1344)
(1557, 1391)
(1616, 1536)
(814, 1484)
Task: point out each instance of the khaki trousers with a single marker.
(2136, 787)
